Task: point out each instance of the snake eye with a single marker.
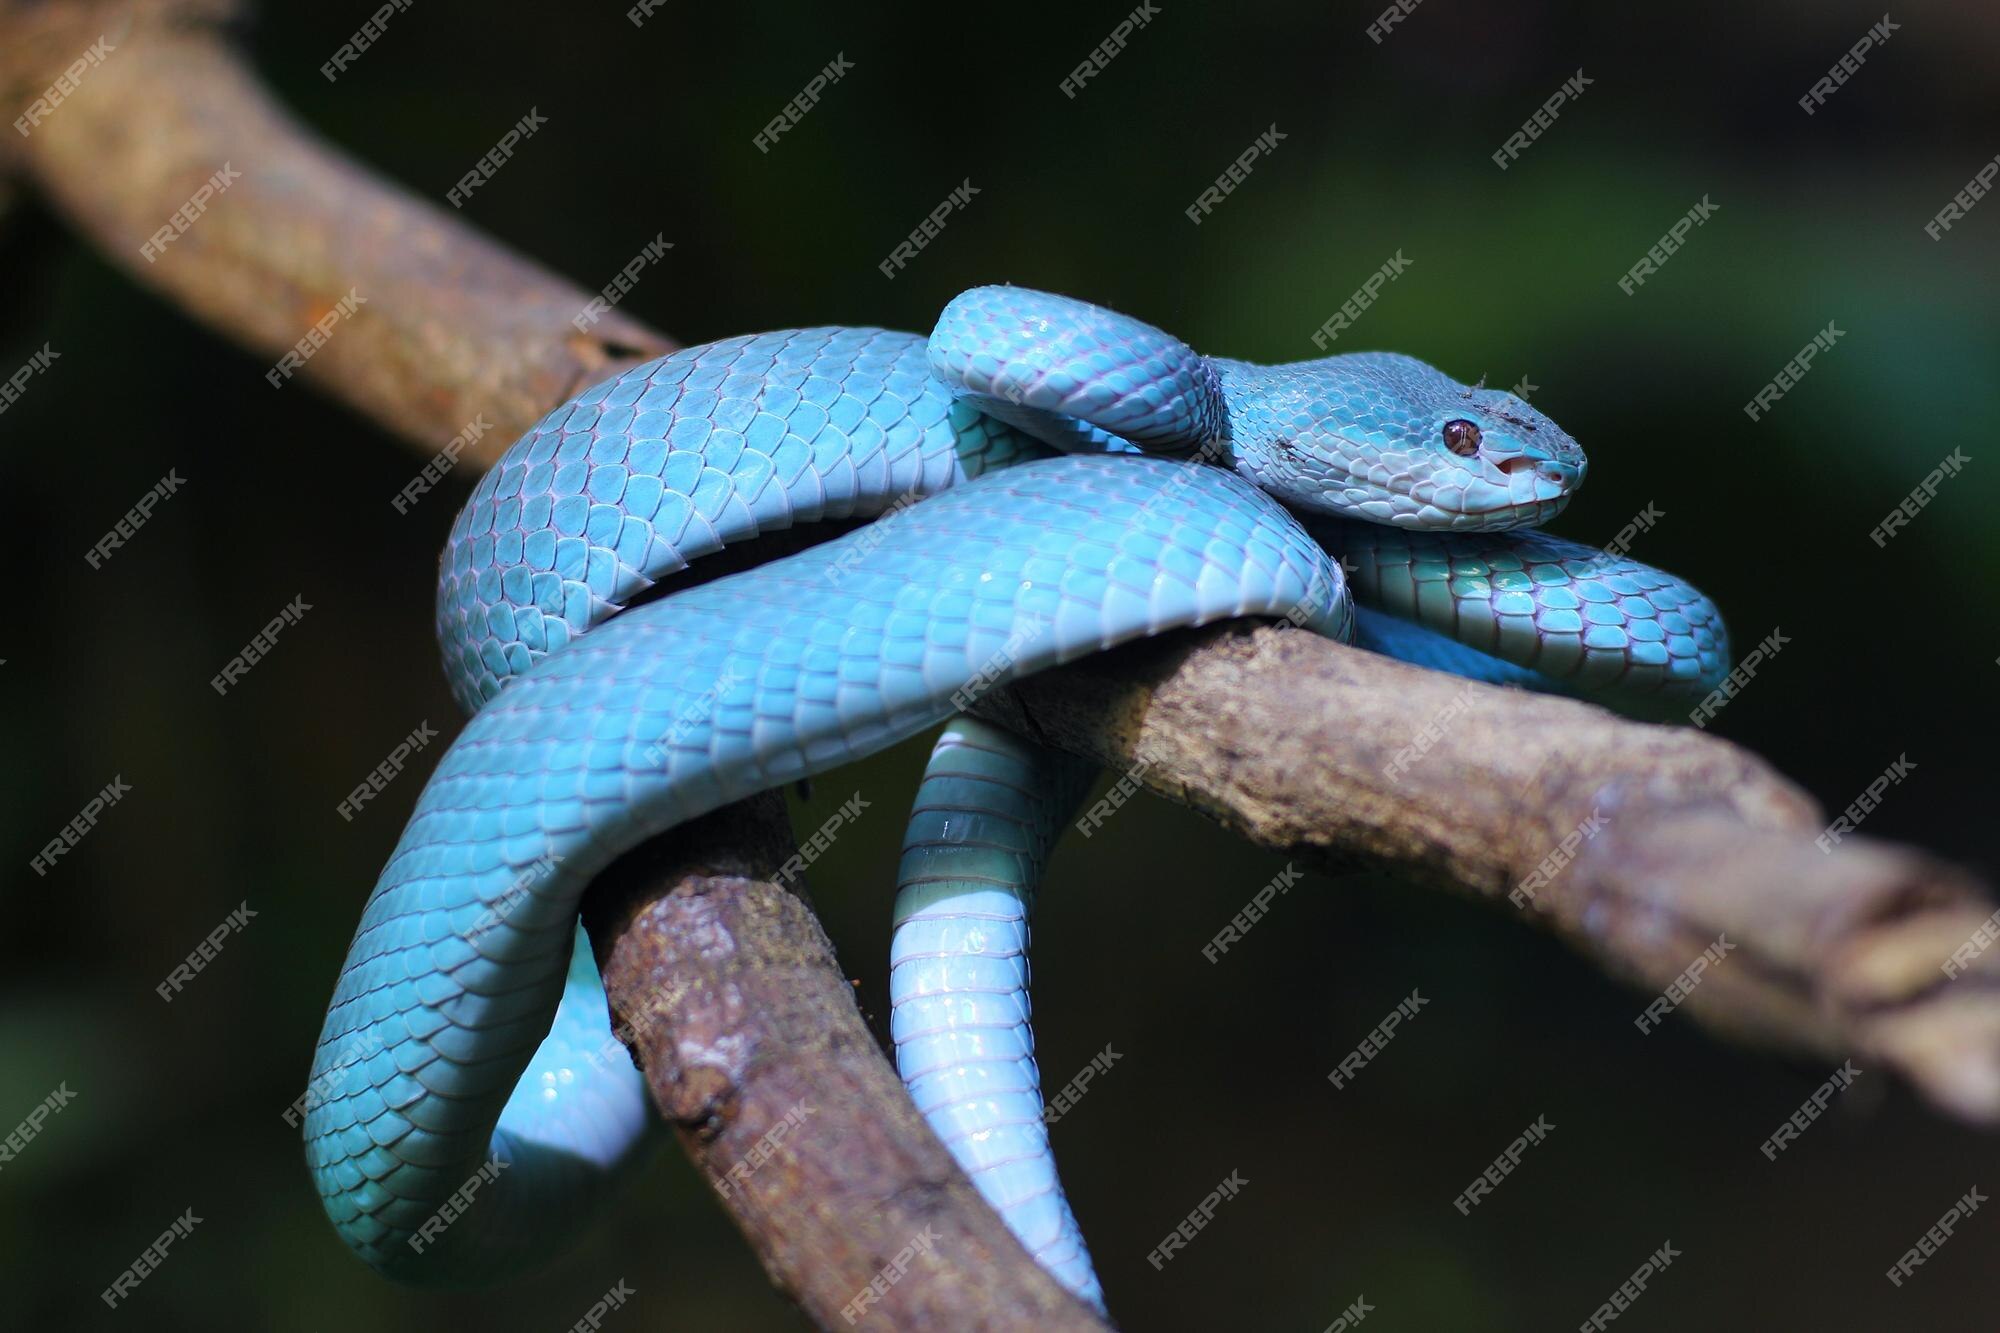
(1461, 437)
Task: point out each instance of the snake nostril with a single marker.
(1543, 469)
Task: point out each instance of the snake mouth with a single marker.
(1530, 511)
(1424, 512)
(1514, 492)
(1502, 517)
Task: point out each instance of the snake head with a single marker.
(1384, 437)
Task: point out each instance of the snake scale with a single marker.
(1048, 479)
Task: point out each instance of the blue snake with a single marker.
(1047, 479)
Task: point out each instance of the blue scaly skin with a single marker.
(468, 1104)
(986, 817)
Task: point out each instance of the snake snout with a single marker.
(1552, 471)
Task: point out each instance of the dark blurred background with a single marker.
(1512, 274)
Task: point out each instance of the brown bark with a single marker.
(733, 1001)
(727, 992)
(1679, 843)
(451, 326)
(703, 955)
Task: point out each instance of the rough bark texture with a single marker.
(727, 988)
(451, 327)
(727, 992)
(1644, 847)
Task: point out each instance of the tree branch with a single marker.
(1643, 847)
(727, 992)
(451, 327)
(725, 982)
(1646, 848)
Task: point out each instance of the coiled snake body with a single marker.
(1084, 479)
